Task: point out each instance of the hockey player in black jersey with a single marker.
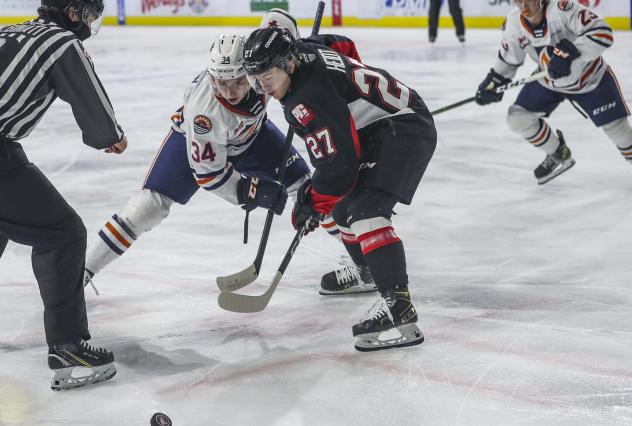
(41, 60)
(369, 138)
(349, 278)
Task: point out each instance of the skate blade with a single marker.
(63, 378)
(563, 167)
(360, 288)
(396, 337)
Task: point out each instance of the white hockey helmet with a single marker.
(280, 18)
(226, 60)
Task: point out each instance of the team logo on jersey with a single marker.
(202, 124)
(303, 114)
(565, 5)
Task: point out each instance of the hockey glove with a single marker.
(562, 58)
(303, 211)
(485, 94)
(263, 192)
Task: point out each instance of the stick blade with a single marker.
(241, 303)
(244, 303)
(238, 280)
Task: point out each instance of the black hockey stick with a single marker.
(499, 89)
(246, 276)
(244, 303)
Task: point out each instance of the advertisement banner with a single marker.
(381, 8)
(369, 13)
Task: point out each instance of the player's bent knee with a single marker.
(522, 121)
(620, 132)
(146, 210)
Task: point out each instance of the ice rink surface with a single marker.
(524, 291)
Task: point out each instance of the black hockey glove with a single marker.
(562, 58)
(485, 94)
(263, 192)
(303, 212)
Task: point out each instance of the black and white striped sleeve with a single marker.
(74, 81)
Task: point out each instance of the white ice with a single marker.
(524, 291)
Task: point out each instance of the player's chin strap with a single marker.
(497, 89)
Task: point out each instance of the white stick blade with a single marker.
(236, 281)
(242, 303)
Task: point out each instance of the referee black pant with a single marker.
(433, 17)
(33, 213)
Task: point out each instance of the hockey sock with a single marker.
(533, 128)
(329, 225)
(352, 245)
(620, 132)
(384, 253)
(545, 138)
(113, 240)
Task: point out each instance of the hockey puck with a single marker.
(159, 419)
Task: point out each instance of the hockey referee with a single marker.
(42, 60)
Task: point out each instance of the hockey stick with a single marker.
(246, 276)
(499, 89)
(244, 303)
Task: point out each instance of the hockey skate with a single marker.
(554, 164)
(390, 324)
(347, 280)
(98, 363)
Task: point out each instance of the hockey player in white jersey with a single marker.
(567, 40)
(211, 145)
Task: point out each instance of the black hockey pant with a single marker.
(33, 213)
(435, 11)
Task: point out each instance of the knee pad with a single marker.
(523, 122)
(145, 210)
(620, 132)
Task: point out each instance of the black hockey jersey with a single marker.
(330, 99)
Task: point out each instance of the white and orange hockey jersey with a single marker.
(564, 19)
(216, 131)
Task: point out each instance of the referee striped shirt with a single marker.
(40, 61)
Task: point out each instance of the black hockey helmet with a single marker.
(90, 13)
(94, 5)
(267, 48)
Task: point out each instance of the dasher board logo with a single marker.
(198, 6)
(202, 124)
(265, 5)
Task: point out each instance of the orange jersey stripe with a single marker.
(205, 180)
(117, 235)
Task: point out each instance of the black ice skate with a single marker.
(555, 164)
(347, 280)
(98, 363)
(390, 324)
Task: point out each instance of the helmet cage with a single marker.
(90, 13)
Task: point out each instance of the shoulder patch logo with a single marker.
(303, 114)
(202, 124)
(565, 5)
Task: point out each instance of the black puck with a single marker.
(159, 419)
